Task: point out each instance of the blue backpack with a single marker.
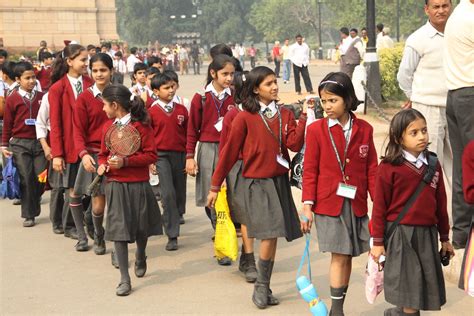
(10, 187)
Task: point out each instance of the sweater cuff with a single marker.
(125, 161)
(189, 155)
(378, 241)
(444, 238)
(215, 188)
(83, 153)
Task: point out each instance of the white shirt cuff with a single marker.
(308, 202)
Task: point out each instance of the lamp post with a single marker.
(398, 20)
(371, 61)
(320, 50)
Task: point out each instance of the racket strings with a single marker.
(123, 140)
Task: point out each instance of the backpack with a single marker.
(10, 187)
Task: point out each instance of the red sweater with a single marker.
(17, 110)
(44, 77)
(394, 186)
(61, 104)
(468, 172)
(135, 167)
(169, 128)
(259, 148)
(226, 125)
(321, 171)
(88, 119)
(202, 119)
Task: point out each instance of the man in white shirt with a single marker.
(285, 50)
(299, 55)
(242, 55)
(422, 79)
(351, 50)
(132, 60)
(459, 70)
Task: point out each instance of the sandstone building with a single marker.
(24, 23)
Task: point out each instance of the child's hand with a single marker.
(376, 252)
(211, 199)
(102, 169)
(306, 219)
(47, 152)
(89, 163)
(152, 169)
(59, 165)
(191, 167)
(446, 247)
(6, 153)
(115, 162)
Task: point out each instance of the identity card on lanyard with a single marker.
(218, 104)
(279, 158)
(345, 190)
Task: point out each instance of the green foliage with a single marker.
(389, 62)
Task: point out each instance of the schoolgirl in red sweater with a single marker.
(205, 125)
(169, 121)
(19, 140)
(263, 133)
(68, 81)
(88, 119)
(413, 278)
(339, 168)
(132, 211)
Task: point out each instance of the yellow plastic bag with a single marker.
(225, 242)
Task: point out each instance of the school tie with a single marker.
(29, 96)
(267, 112)
(168, 108)
(78, 87)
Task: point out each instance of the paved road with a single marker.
(41, 274)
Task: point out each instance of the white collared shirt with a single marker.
(124, 120)
(163, 105)
(271, 106)
(299, 54)
(43, 124)
(347, 128)
(417, 161)
(210, 88)
(26, 94)
(138, 88)
(73, 82)
(95, 91)
(183, 101)
(15, 85)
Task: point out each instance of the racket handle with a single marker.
(95, 184)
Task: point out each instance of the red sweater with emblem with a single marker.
(202, 118)
(88, 119)
(61, 104)
(321, 171)
(468, 172)
(259, 147)
(17, 110)
(135, 167)
(394, 186)
(169, 128)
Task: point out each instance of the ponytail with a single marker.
(60, 66)
(129, 102)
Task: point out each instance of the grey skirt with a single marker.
(235, 194)
(412, 275)
(344, 234)
(132, 211)
(85, 178)
(207, 156)
(65, 180)
(270, 208)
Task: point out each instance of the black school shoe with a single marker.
(29, 222)
(58, 229)
(71, 233)
(82, 245)
(172, 244)
(140, 268)
(224, 261)
(124, 289)
(181, 220)
(99, 245)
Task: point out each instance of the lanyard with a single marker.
(29, 102)
(270, 130)
(218, 104)
(341, 165)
